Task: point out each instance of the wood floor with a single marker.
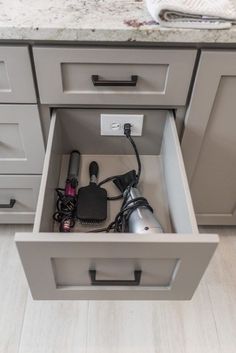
(207, 324)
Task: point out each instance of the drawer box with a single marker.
(21, 140)
(113, 76)
(18, 198)
(169, 266)
(16, 77)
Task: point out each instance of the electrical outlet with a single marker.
(113, 124)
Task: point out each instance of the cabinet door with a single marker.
(209, 140)
(16, 77)
(21, 140)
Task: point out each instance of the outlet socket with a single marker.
(113, 124)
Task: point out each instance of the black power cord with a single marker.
(120, 223)
(67, 198)
(127, 133)
(66, 209)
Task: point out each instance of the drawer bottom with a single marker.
(151, 186)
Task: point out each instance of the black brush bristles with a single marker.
(92, 204)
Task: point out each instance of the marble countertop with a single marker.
(94, 20)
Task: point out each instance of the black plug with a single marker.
(127, 129)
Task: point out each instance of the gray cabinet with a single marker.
(209, 140)
(21, 159)
(21, 139)
(58, 266)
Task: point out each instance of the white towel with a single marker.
(208, 14)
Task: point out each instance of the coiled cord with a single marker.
(120, 224)
(66, 209)
(127, 133)
(121, 221)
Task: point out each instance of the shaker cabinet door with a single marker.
(21, 140)
(209, 140)
(16, 76)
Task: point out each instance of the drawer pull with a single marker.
(8, 205)
(103, 282)
(98, 82)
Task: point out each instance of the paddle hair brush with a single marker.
(92, 199)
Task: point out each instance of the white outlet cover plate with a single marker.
(113, 124)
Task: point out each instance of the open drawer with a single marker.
(107, 266)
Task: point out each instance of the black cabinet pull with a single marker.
(8, 205)
(98, 82)
(103, 282)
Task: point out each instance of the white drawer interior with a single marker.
(57, 265)
(161, 182)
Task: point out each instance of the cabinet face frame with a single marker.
(213, 66)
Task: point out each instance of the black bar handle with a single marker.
(98, 82)
(103, 282)
(8, 205)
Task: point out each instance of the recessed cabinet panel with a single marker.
(16, 77)
(65, 276)
(21, 140)
(113, 76)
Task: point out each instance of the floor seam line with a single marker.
(23, 322)
(86, 340)
(214, 319)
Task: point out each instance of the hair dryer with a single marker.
(142, 219)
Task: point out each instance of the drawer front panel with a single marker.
(18, 198)
(21, 140)
(113, 76)
(57, 266)
(116, 266)
(16, 78)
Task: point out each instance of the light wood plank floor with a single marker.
(207, 324)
